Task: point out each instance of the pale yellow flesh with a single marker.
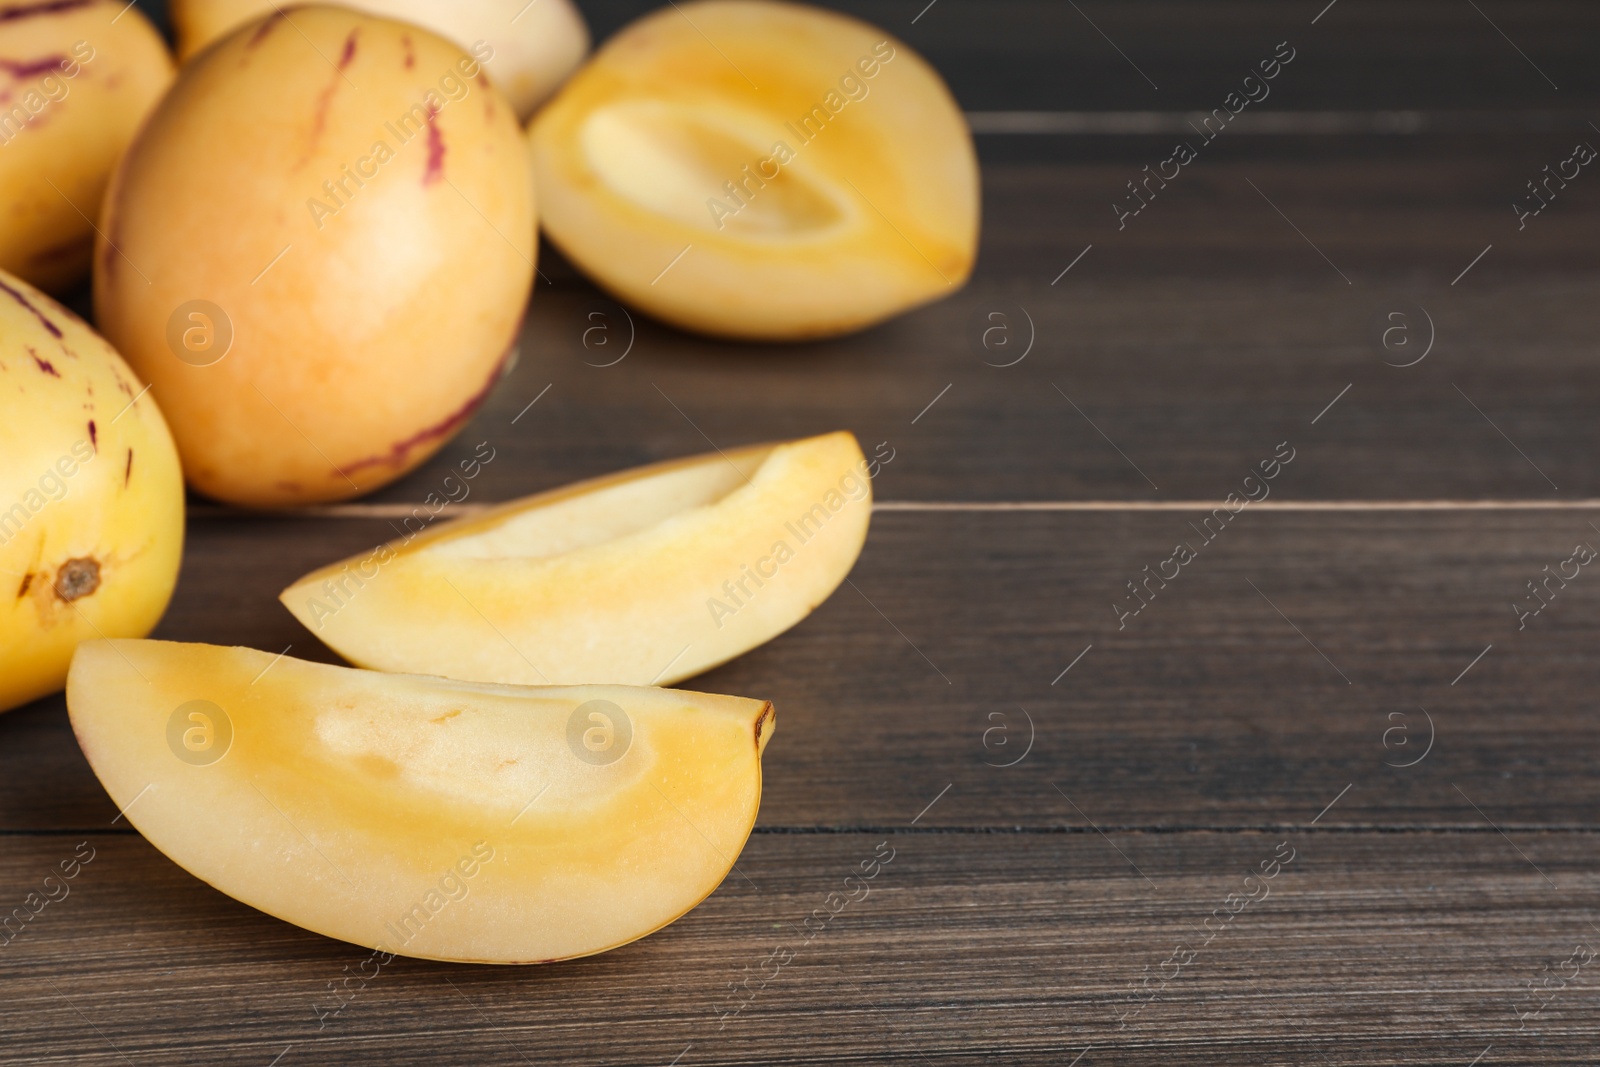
(644, 578)
(347, 798)
(870, 210)
(81, 79)
(88, 479)
(536, 46)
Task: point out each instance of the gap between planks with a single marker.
(402, 510)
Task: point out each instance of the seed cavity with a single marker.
(77, 579)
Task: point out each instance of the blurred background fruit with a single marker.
(75, 81)
(535, 45)
(91, 498)
(760, 170)
(320, 281)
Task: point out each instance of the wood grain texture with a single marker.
(1208, 709)
(1071, 799)
(1105, 56)
(1206, 330)
(1021, 948)
(1369, 54)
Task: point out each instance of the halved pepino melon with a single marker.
(759, 170)
(645, 577)
(419, 816)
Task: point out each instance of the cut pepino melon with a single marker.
(419, 816)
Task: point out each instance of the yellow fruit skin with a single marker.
(646, 603)
(88, 473)
(342, 800)
(369, 315)
(876, 211)
(73, 89)
(535, 46)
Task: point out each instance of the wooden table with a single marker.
(1321, 800)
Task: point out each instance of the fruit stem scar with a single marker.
(77, 578)
(767, 715)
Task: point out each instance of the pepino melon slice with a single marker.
(419, 816)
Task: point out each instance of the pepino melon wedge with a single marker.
(642, 578)
(419, 816)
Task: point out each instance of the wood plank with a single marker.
(1003, 54)
(1206, 327)
(1019, 948)
(1208, 700)
(1183, 380)
(1040, 54)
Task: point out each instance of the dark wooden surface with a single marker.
(1207, 710)
(968, 948)
(1341, 670)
